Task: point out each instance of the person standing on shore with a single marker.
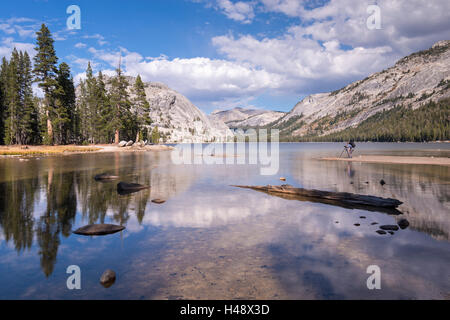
(349, 147)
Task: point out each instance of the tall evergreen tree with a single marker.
(104, 111)
(3, 107)
(45, 70)
(13, 100)
(91, 100)
(64, 105)
(81, 107)
(119, 98)
(29, 119)
(142, 110)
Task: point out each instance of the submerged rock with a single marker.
(108, 278)
(390, 227)
(122, 144)
(356, 224)
(105, 176)
(382, 182)
(403, 223)
(362, 217)
(98, 229)
(381, 232)
(124, 188)
(158, 201)
(391, 232)
(374, 223)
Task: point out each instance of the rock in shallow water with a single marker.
(381, 232)
(98, 229)
(158, 201)
(389, 227)
(108, 278)
(403, 223)
(124, 188)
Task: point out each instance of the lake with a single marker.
(211, 240)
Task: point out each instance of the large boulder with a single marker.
(122, 144)
(129, 143)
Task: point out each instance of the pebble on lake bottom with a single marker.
(108, 278)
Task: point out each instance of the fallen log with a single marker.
(343, 199)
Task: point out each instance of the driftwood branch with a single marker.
(343, 199)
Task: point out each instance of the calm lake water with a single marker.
(210, 240)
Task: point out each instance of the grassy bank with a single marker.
(44, 150)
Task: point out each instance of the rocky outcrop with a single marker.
(414, 80)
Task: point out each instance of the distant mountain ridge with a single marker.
(245, 117)
(413, 81)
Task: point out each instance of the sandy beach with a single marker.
(395, 159)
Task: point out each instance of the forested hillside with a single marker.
(430, 122)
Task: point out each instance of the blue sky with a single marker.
(225, 53)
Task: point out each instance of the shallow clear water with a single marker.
(214, 241)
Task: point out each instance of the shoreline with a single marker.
(439, 161)
(32, 151)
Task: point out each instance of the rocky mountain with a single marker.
(413, 81)
(246, 118)
(179, 119)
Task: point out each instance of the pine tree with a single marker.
(91, 100)
(64, 95)
(13, 100)
(3, 79)
(29, 118)
(81, 106)
(45, 71)
(104, 111)
(142, 110)
(155, 135)
(121, 114)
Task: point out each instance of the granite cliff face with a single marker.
(414, 80)
(246, 118)
(179, 119)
